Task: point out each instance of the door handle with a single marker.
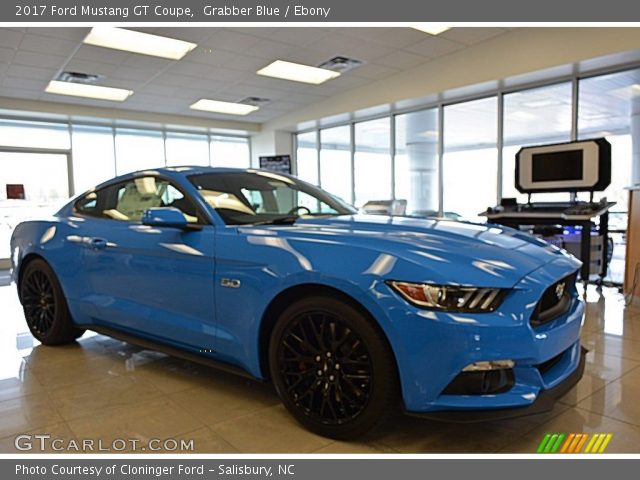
(98, 243)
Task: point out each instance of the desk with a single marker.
(524, 215)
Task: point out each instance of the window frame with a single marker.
(201, 215)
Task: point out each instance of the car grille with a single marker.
(552, 304)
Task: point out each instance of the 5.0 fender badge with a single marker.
(230, 282)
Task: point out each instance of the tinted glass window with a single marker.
(128, 201)
(88, 205)
(246, 198)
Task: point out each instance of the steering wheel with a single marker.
(294, 210)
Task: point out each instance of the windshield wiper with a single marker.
(284, 220)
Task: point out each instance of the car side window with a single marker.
(88, 205)
(128, 201)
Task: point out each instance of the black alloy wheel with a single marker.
(38, 302)
(332, 367)
(44, 304)
(326, 368)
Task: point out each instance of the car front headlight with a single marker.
(450, 298)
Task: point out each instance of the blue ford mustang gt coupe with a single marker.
(350, 316)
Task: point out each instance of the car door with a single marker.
(154, 281)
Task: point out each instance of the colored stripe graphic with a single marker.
(567, 443)
(574, 443)
(543, 443)
(606, 441)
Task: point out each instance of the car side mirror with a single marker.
(164, 217)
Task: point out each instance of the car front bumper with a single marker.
(544, 402)
(432, 348)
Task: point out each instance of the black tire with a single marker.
(333, 368)
(45, 308)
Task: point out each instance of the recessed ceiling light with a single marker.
(138, 42)
(297, 72)
(223, 107)
(88, 91)
(432, 28)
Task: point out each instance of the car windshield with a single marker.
(243, 198)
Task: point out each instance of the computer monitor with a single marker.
(583, 166)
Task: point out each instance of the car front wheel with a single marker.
(332, 367)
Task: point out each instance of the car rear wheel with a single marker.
(332, 367)
(45, 308)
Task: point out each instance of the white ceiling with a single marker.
(222, 67)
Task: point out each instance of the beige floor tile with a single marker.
(75, 401)
(226, 397)
(16, 382)
(26, 413)
(58, 437)
(618, 323)
(206, 440)
(600, 370)
(626, 437)
(355, 447)
(612, 345)
(619, 400)
(154, 419)
(270, 430)
(73, 371)
(173, 375)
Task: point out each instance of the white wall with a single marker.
(271, 142)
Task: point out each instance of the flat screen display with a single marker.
(557, 166)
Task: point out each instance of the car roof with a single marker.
(173, 172)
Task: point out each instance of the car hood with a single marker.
(432, 250)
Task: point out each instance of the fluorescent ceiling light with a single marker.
(297, 72)
(432, 28)
(223, 107)
(138, 42)
(88, 91)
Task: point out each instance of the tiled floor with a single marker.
(103, 389)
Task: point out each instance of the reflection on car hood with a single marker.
(451, 252)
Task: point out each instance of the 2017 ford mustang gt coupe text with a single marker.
(350, 316)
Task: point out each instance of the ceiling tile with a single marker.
(397, 37)
(147, 61)
(341, 44)
(226, 39)
(153, 89)
(188, 34)
(24, 83)
(131, 73)
(270, 50)
(32, 73)
(209, 56)
(373, 71)
(471, 36)
(295, 36)
(10, 38)
(6, 54)
(41, 44)
(433, 47)
(401, 60)
(17, 92)
(38, 59)
(76, 34)
(100, 54)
